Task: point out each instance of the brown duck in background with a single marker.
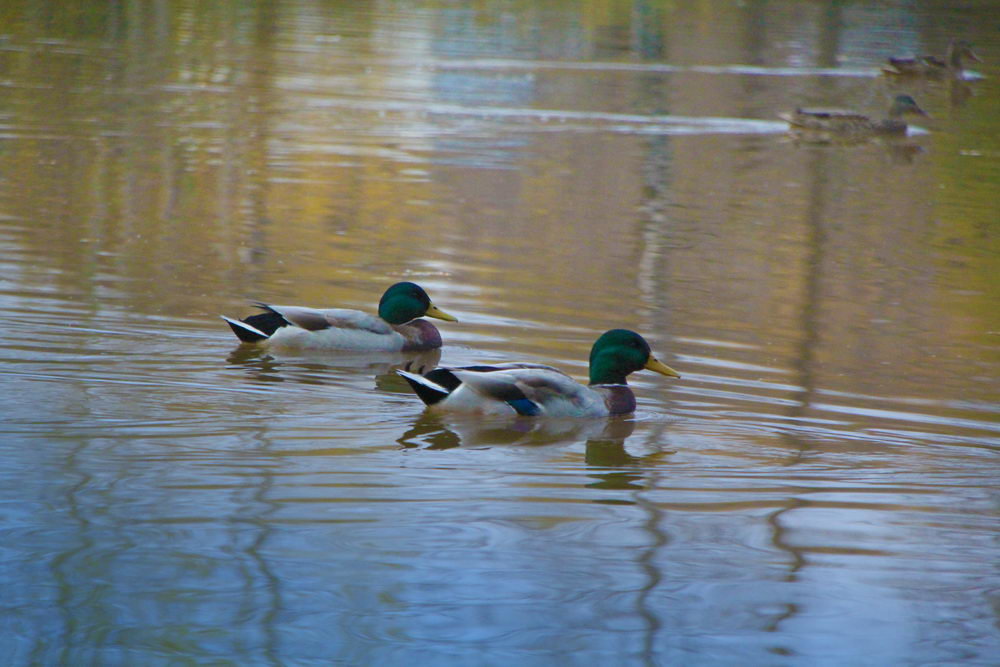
(933, 67)
(841, 121)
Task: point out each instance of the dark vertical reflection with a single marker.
(640, 475)
(247, 151)
(649, 39)
(646, 30)
(262, 587)
(814, 264)
(651, 560)
(65, 563)
(248, 196)
(804, 362)
(798, 559)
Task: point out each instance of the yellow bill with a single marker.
(658, 366)
(434, 311)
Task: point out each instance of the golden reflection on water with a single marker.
(547, 173)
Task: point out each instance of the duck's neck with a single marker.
(954, 58)
(419, 334)
(618, 398)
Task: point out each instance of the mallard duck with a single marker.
(397, 327)
(931, 66)
(539, 390)
(851, 122)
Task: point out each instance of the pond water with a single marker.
(820, 487)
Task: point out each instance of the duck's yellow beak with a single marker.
(658, 366)
(434, 311)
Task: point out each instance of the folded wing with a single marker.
(314, 319)
(531, 389)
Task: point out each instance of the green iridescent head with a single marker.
(405, 301)
(619, 352)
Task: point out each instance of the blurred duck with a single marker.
(931, 66)
(397, 327)
(851, 122)
(539, 390)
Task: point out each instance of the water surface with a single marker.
(820, 487)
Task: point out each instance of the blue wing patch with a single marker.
(525, 407)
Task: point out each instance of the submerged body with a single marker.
(397, 327)
(851, 122)
(539, 390)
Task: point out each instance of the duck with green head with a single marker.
(851, 122)
(540, 390)
(933, 67)
(398, 325)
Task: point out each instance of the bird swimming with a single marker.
(397, 327)
(932, 66)
(843, 121)
(540, 390)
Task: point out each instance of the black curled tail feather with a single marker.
(427, 389)
(267, 322)
(444, 378)
(244, 334)
(256, 328)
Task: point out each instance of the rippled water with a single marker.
(820, 487)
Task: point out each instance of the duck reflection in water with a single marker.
(605, 439)
(435, 431)
(614, 467)
(607, 460)
(312, 367)
(899, 150)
